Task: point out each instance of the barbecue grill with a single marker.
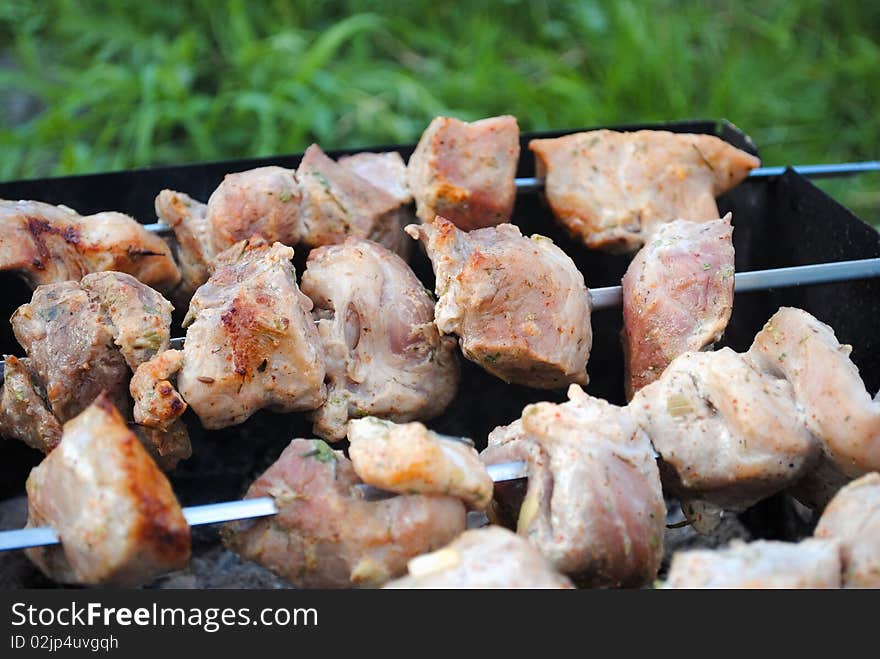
(779, 221)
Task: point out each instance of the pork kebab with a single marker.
(104, 495)
(358, 339)
(48, 244)
(593, 508)
(82, 338)
(322, 202)
(613, 190)
(459, 170)
(727, 430)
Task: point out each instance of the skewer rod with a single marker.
(829, 170)
(215, 513)
(757, 280)
(803, 275)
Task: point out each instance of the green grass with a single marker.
(123, 84)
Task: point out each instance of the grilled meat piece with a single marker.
(410, 459)
(727, 433)
(677, 296)
(387, 171)
(384, 354)
(157, 404)
(326, 535)
(48, 244)
(338, 203)
(140, 316)
(761, 564)
(853, 519)
(320, 203)
(613, 190)
(490, 557)
(383, 170)
(265, 201)
(519, 305)
(69, 340)
(594, 506)
(465, 171)
(251, 343)
(193, 245)
(83, 338)
(118, 519)
(23, 411)
(795, 345)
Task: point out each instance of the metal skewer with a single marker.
(228, 511)
(610, 297)
(829, 170)
(759, 280)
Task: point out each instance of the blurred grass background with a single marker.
(101, 85)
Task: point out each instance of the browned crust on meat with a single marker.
(248, 335)
(37, 227)
(161, 526)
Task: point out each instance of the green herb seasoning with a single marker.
(322, 452)
(150, 340)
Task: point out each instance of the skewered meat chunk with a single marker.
(677, 296)
(251, 343)
(795, 345)
(325, 535)
(613, 190)
(410, 459)
(594, 506)
(157, 404)
(264, 201)
(853, 519)
(384, 354)
(193, 245)
(387, 171)
(727, 433)
(490, 557)
(761, 564)
(519, 305)
(118, 519)
(338, 203)
(383, 170)
(83, 338)
(48, 244)
(320, 203)
(24, 414)
(465, 171)
(70, 344)
(140, 316)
